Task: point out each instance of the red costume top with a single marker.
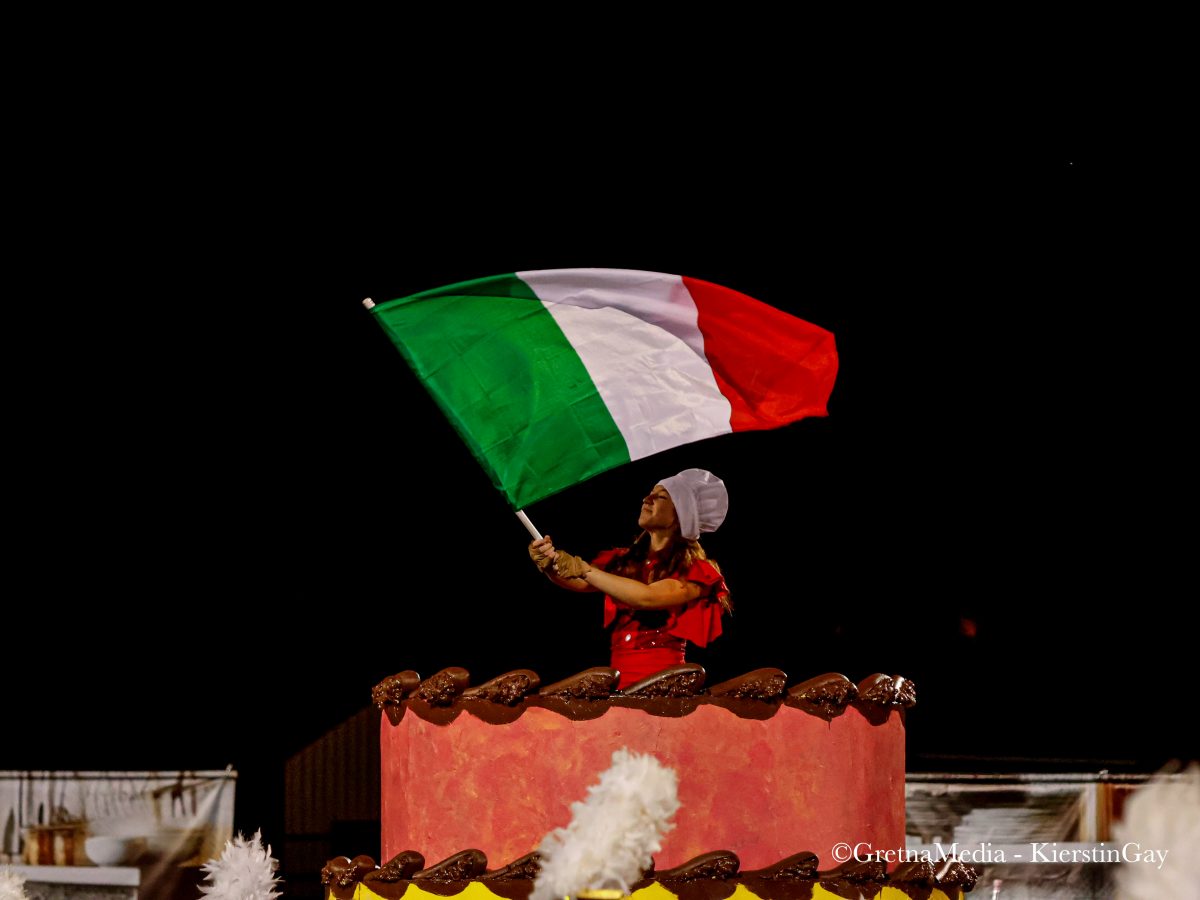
(645, 641)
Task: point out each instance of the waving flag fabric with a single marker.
(554, 376)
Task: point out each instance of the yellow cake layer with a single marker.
(478, 891)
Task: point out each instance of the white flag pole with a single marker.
(528, 525)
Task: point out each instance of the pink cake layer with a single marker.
(763, 788)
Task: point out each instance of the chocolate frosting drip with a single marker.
(399, 868)
(826, 695)
(792, 878)
(718, 865)
(441, 689)
(761, 684)
(888, 691)
(798, 865)
(715, 889)
(954, 874)
(491, 712)
(779, 889)
(464, 866)
(576, 710)
(343, 872)
(517, 889)
(508, 689)
(916, 872)
(915, 878)
(595, 683)
(709, 876)
(438, 715)
(665, 706)
(857, 872)
(674, 681)
(524, 869)
(395, 688)
(855, 879)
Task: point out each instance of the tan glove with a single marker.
(568, 566)
(540, 559)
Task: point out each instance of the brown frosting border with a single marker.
(710, 876)
(674, 692)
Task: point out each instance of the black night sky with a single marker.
(233, 510)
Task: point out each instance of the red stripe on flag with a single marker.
(772, 367)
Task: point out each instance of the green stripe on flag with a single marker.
(504, 374)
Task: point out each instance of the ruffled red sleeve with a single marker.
(700, 620)
(601, 562)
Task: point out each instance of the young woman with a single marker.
(663, 590)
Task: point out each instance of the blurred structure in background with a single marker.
(136, 833)
(331, 803)
(1035, 836)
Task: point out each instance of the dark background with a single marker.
(233, 510)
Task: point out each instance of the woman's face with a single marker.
(658, 511)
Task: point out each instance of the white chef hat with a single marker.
(700, 499)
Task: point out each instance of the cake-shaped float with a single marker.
(771, 778)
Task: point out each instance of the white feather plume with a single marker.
(614, 833)
(1163, 815)
(244, 871)
(12, 885)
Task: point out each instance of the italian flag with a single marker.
(554, 376)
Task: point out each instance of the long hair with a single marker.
(679, 556)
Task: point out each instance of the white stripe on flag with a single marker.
(637, 336)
